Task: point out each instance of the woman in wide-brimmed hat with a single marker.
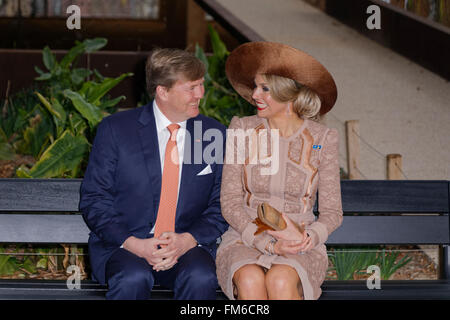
(291, 90)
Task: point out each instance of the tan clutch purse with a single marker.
(270, 218)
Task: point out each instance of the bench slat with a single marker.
(51, 228)
(331, 290)
(39, 195)
(375, 230)
(389, 290)
(358, 196)
(43, 228)
(399, 196)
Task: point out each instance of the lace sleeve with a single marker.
(330, 205)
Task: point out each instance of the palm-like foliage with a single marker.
(57, 124)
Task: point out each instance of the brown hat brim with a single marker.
(262, 57)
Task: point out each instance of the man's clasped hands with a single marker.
(161, 252)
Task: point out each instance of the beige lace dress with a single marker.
(308, 161)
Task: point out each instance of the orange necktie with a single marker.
(165, 220)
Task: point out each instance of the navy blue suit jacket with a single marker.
(121, 188)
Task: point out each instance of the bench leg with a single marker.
(445, 274)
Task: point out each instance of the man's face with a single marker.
(182, 100)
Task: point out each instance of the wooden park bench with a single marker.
(36, 211)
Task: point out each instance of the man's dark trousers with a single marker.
(131, 277)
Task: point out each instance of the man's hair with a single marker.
(165, 66)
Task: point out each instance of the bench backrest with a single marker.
(372, 211)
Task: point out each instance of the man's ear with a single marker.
(162, 92)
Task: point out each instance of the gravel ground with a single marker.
(8, 167)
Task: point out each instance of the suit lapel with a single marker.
(188, 170)
(149, 141)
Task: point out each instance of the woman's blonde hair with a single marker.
(305, 102)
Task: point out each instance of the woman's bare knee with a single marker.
(282, 282)
(250, 282)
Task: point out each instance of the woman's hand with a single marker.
(291, 240)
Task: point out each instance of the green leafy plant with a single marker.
(220, 100)
(350, 262)
(17, 110)
(58, 124)
(11, 264)
(388, 263)
(26, 261)
(15, 116)
(7, 263)
(6, 150)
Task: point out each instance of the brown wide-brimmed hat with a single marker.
(252, 58)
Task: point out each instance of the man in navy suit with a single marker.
(121, 190)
